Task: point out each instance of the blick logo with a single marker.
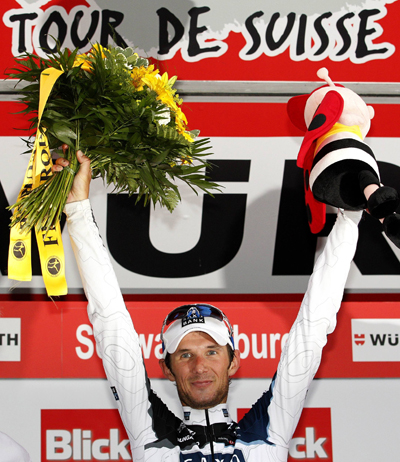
(10, 339)
(80, 434)
(312, 440)
(375, 340)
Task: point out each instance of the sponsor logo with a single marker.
(19, 250)
(375, 340)
(193, 316)
(83, 435)
(255, 345)
(114, 390)
(10, 339)
(312, 440)
(53, 266)
(237, 456)
(359, 339)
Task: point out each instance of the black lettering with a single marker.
(5, 216)
(194, 47)
(12, 339)
(221, 232)
(341, 28)
(362, 49)
(295, 245)
(26, 190)
(319, 28)
(110, 20)
(1, 339)
(22, 18)
(378, 339)
(49, 241)
(45, 174)
(393, 342)
(253, 32)
(301, 36)
(54, 18)
(80, 43)
(271, 43)
(45, 157)
(165, 18)
(374, 255)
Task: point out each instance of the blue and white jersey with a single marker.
(155, 433)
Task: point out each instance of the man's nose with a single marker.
(200, 364)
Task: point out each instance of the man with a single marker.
(199, 354)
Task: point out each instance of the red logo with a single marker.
(359, 339)
(312, 440)
(82, 435)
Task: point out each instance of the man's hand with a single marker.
(81, 185)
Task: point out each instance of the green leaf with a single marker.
(64, 133)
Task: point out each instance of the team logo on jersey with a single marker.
(114, 390)
(192, 316)
(237, 456)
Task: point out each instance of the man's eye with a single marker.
(212, 352)
(186, 355)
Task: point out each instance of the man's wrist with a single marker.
(76, 206)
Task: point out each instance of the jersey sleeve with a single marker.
(117, 341)
(302, 352)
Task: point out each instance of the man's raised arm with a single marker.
(117, 341)
(302, 353)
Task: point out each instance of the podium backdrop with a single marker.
(248, 250)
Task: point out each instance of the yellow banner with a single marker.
(52, 260)
(19, 251)
(50, 245)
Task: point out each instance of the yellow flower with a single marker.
(159, 84)
(138, 73)
(98, 47)
(82, 60)
(165, 93)
(181, 123)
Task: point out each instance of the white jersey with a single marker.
(155, 433)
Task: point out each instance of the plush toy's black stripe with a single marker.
(342, 144)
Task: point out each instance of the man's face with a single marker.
(200, 367)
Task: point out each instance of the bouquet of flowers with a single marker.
(126, 117)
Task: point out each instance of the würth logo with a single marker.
(10, 339)
(83, 434)
(376, 339)
(359, 339)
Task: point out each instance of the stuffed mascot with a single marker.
(339, 168)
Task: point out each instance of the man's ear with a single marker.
(235, 364)
(166, 371)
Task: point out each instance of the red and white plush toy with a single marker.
(340, 169)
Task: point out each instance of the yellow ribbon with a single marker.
(50, 245)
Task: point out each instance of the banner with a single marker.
(219, 40)
(365, 343)
(242, 240)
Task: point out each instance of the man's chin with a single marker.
(204, 402)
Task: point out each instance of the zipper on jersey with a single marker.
(210, 435)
